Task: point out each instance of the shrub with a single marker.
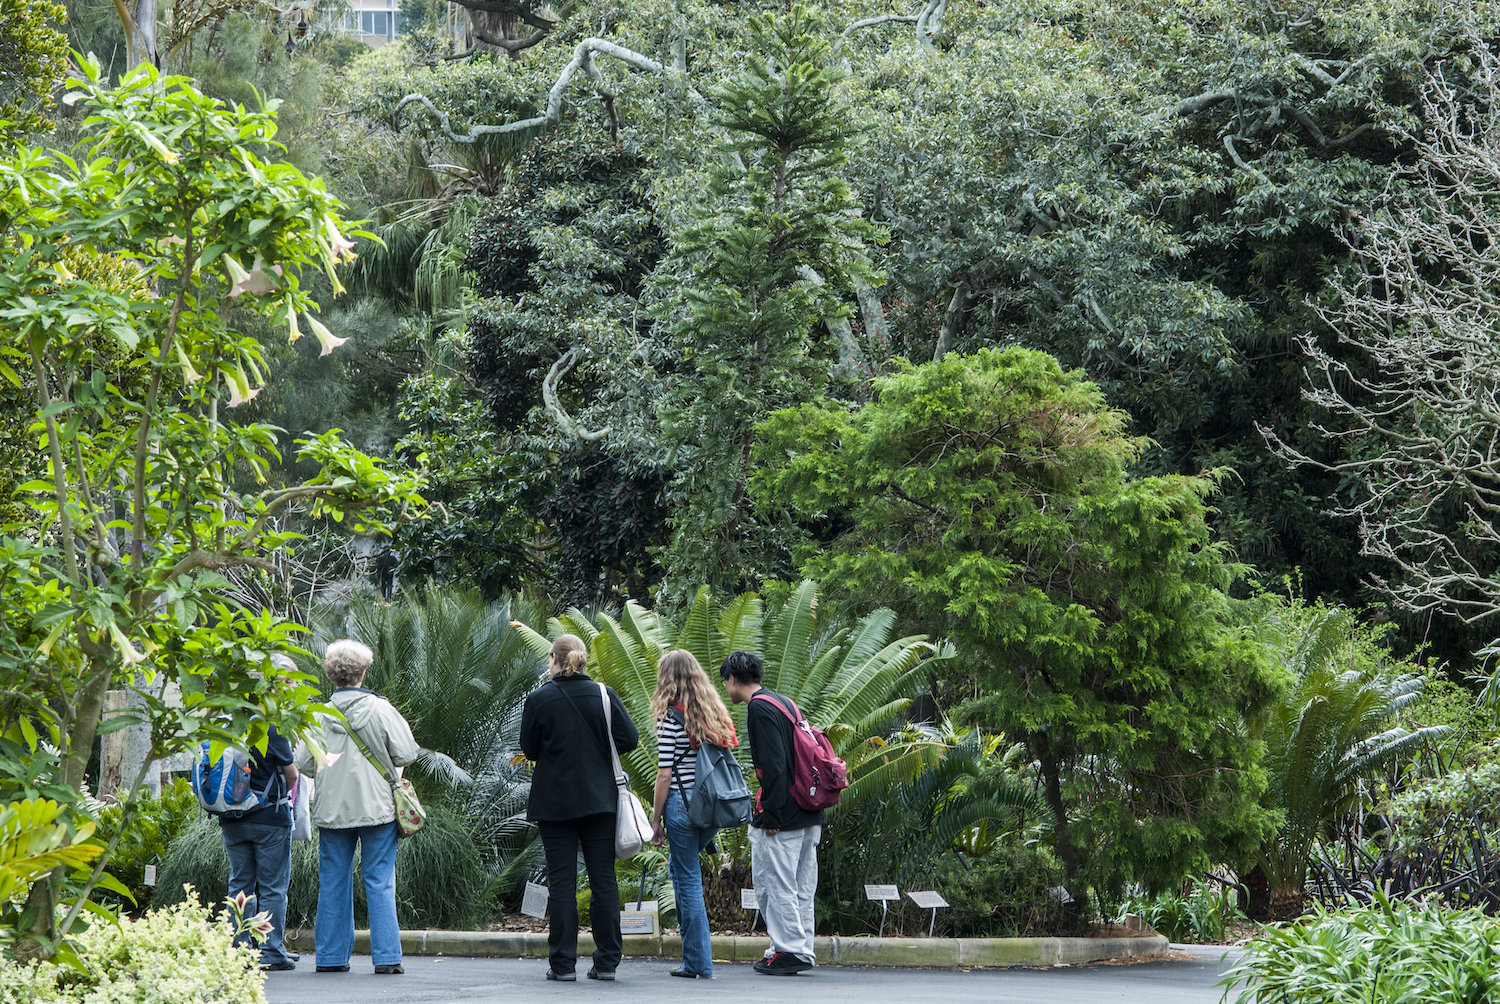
(1200, 916)
(440, 881)
(1386, 953)
(178, 955)
(155, 823)
(1004, 894)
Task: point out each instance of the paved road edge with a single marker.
(939, 952)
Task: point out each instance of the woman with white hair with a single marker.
(353, 805)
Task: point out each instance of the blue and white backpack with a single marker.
(223, 785)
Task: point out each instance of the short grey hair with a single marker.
(346, 661)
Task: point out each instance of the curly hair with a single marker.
(345, 662)
(681, 682)
(571, 654)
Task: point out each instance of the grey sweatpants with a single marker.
(784, 868)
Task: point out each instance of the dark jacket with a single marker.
(771, 751)
(266, 775)
(563, 730)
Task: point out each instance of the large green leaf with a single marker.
(788, 637)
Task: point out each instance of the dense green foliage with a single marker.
(33, 56)
(1385, 953)
(154, 824)
(986, 497)
(671, 332)
(1336, 726)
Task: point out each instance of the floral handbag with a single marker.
(410, 816)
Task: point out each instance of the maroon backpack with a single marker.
(819, 777)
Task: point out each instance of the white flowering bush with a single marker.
(177, 955)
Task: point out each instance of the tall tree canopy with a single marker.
(986, 497)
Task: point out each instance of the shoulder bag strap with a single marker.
(610, 742)
(609, 730)
(678, 758)
(389, 773)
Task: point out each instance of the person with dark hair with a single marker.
(258, 841)
(783, 835)
(574, 801)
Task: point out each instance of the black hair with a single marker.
(743, 666)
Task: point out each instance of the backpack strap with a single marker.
(675, 715)
(793, 714)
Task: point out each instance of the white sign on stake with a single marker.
(882, 894)
(150, 878)
(748, 901)
(534, 900)
(928, 900)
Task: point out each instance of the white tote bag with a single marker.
(632, 825)
(302, 826)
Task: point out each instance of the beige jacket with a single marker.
(351, 791)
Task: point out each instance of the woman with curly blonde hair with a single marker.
(688, 713)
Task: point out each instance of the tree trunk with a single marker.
(1073, 913)
(140, 32)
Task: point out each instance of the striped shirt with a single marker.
(675, 750)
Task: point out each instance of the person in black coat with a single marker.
(573, 801)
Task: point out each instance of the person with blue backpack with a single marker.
(249, 793)
(699, 789)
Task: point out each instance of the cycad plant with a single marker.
(453, 666)
(1335, 726)
(972, 791)
(852, 681)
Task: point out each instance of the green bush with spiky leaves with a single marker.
(1385, 953)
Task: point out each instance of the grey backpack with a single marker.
(720, 796)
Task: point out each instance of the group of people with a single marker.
(574, 729)
(568, 726)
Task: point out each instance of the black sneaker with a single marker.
(283, 966)
(333, 969)
(562, 977)
(392, 969)
(595, 973)
(782, 964)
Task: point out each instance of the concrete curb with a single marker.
(838, 951)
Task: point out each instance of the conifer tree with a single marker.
(766, 264)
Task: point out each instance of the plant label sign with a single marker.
(927, 900)
(150, 878)
(534, 900)
(881, 893)
(639, 918)
(748, 900)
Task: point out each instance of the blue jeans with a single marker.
(685, 842)
(260, 866)
(333, 934)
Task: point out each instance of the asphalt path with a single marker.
(1190, 977)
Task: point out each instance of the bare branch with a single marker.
(583, 56)
(870, 22)
(511, 45)
(1413, 393)
(926, 26)
(1194, 105)
(952, 319)
(554, 406)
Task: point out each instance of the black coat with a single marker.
(563, 730)
(771, 750)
